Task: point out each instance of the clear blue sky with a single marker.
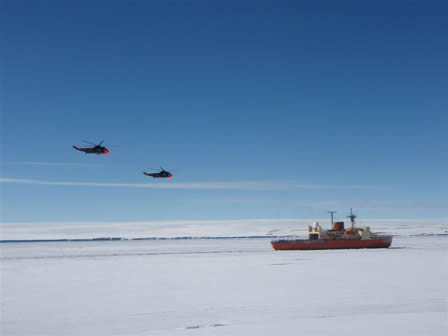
(338, 94)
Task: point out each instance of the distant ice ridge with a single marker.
(204, 229)
(120, 238)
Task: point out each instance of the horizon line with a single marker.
(212, 221)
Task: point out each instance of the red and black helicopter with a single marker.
(96, 149)
(161, 174)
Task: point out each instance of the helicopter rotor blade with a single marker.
(101, 142)
(88, 142)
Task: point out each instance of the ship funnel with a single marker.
(338, 226)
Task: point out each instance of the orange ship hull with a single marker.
(321, 244)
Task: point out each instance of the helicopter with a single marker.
(97, 149)
(161, 174)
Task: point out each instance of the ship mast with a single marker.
(352, 217)
(331, 212)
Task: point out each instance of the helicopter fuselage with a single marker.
(164, 174)
(93, 150)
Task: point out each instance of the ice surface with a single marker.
(223, 287)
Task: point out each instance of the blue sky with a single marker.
(265, 109)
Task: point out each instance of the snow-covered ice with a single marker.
(223, 287)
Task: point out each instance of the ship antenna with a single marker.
(331, 212)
